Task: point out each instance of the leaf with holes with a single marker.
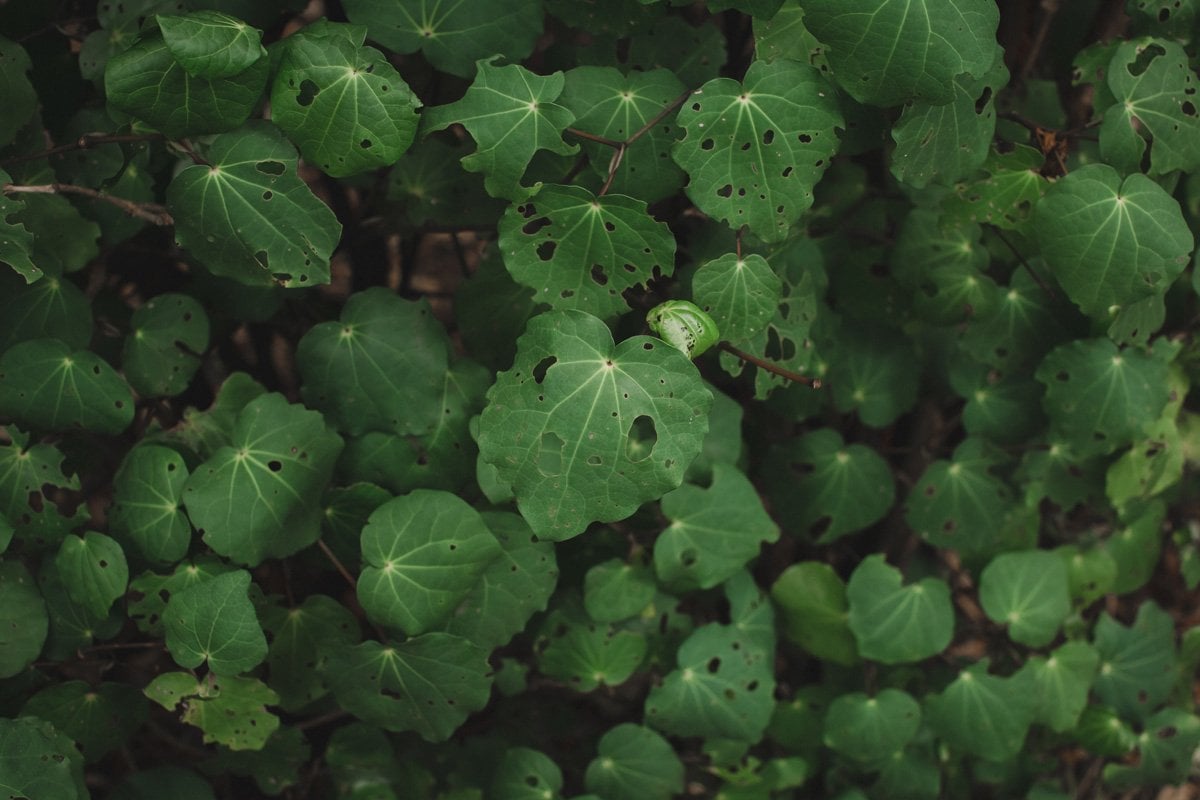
(94, 571)
(1110, 241)
(149, 593)
(754, 151)
(45, 384)
(39, 763)
(616, 590)
(526, 774)
(633, 761)
(259, 496)
(1027, 591)
(422, 554)
(897, 51)
(344, 105)
(167, 338)
(230, 710)
(983, 714)
(511, 114)
(577, 250)
(1166, 749)
(1138, 665)
(147, 82)
(585, 430)
(869, 729)
(684, 325)
(381, 367)
(1154, 91)
(25, 470)
(16, 241)
(615, 106)
(740, 294)
(428, 684)
(894, 623)
(209, 44)
(714, 531)
(1100, 398)
(1005, 196)
(452, 36)
(249, 217)
(214, 621)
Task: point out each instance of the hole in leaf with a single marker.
(1187, 108)
(708, 144)
(640, 441)
(725, 191)
(365, 144)
(714, 664)
(267, 195)
(545, 250)
(539, 371)
(533, 226)
(595, 461)
(598, 275)
(768, 136)
(1142, 63)
(805, 138)
(274, 466)
(270, 167)
(549, 458)
(308, 92)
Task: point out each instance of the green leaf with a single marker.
(147, 82)
(25, 470)
(274, 768)
(1166, 749)
(20, 97)
(259, 496)
(511, 114)
(1137, 663)
(741, 294)
(1100, 398)
(694, 53)
(1153, 88)
(896, 51)
(167, 338)
(16, 241)
(982, 714)
(381, 367)
(722, 687)
(209, 44)
(580, 251)
(422, 555)
(753, 151)
(584, 654)
(451, 37)
(147, 498)
(249, 217)
(683, 325)
(869, 729)
(94, 570)
(23, 620)
(72, 625)
(149, 593)
(428, 684)
(1062, 682)
(98, 719)
(301, 640)
(1006, 195)
(634, 763)
(587, 431)
(39, 763)
(811, 598)
(526, 774)
(45, 384)
(873, 373)
(63, 239)
(821, 485)
(897, 624)
(1090, 573)
(230, 710)
(214, 621)
(615, 590)
(714, 531)
(429, 184)
(345, 106)
(1110, 241)
(155, 782)
(1027, 591)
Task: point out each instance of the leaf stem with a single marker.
(85, 142)
(592, 137)
(774, 369)
(337, 563)
(150, 212)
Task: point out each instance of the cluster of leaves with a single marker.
(336, 460)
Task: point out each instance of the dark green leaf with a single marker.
(20, 98)
(167, 338)
(39, 763)
(209, 44)
(869, 729)
(147, 498)
(23, 620)
(214, 621)
(99, 719)
(45, 384)
(634, 763)
(94, 571)
(983, 714)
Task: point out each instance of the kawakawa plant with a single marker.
(341, 456)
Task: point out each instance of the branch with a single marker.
(337, 563)
(774, 369)
(85, 142)
(1024, 263)
(150, 212)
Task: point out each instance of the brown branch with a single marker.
(657, 118)
(85, 142)
(337, 563)
(150, 212)
(592, 137)
(774, 369)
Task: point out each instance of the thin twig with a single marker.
(316, 722)
(613, 165)
(592, 137)
(337, 563)
(657, 118)
(1028, 268)
(775, 369)
(85, 142)
(150, 212)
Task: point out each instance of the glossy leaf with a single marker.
(23, 620)
(1061, 682)
(983, 714)
(94, 571)
(869, 729)
(753, 151)
(147, 504)
(167, 338)
(634, 762)
(273, 230)
(301, 640)
(740, 294)
(45, 384)
(1027, 591)
(209, 44)
(149, 592)
(587, 431)
(584, 654)
(685, 326)
(895, 623)
(422, 555)
(214, 621)
(811, 598)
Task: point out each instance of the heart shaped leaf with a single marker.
(1027, 591)
(45, 384)
(633, 761)
(209, 44)
(983, 714)
(94, 571)
(215, 621)
(167, 338)
(740, 294)
(869, 729)
(898, 624)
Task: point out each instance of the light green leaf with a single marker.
(98, 719)
(811, 598)
(147, 498)
(451, 36)
(898, 624)
(23, 620)
(683, 325)
(587, 431)
(634, 763)
(259, 496)
(526, 774)
(230, 710)
(249, 217)
(511, 114)
(301, 640)
(428, 684)
(381, 367)
(167, 338)
(1062, 682)
(149, 593)
(94, 571)
(39, 763)
(896, 51)
(1137, 663)
(1005, 196)
(714, 531)
(753, 151)
(345, 106)
(869, 729)
(214, 621)
(741, 294)
(16, 241)
(614, 590)
(983, 714)
(209, 44)
(20, 98)
(45, 384)
(1027, 591)
(1110, 241)
(422, 555)
(147, 82)
(577, 250)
